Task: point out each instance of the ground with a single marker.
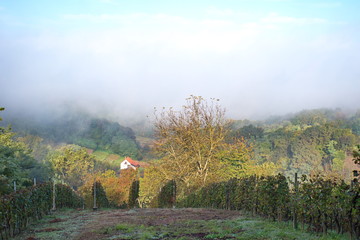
(179, 224)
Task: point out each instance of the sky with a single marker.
(123, 58)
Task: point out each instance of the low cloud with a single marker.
(127, 64)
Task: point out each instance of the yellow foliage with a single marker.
(150, 186)
(116, 187)
(265, 169)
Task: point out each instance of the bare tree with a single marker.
(191, 142)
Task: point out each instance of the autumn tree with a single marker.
(117, 188)
(191, 143)
(150, 185)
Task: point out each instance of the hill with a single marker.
(81, 129)
(308, 141)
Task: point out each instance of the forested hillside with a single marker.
(80, 129)
(310, 140)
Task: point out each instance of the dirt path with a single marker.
(105, 224)
(149, 217)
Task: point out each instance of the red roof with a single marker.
(132, 162)
(136, 163)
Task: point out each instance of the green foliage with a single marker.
(66, 197)
(319, 203)
(167, 195)
(101, 199)
(354, 123)
(83, 130)
(311, 140)
(111, 136)
(249, 132)
(134, 194)
(310, 117)
(106, 161)
(1, 109)
(39, 148)
(71, 164)
(17, 164)
(356, 155)
(319, 139)
(18, 209)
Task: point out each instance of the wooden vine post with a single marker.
(94, 207)
(54, 197)
(174, 193)
(296, 188)
(255, 195)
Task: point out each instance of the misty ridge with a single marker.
(274, 139)
(80, 117)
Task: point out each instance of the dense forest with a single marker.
(310, 140)
(80, 129)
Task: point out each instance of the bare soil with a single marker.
(149, 217)
(90, 225)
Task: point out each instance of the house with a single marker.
(129, 163)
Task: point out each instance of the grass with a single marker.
(100, 155)
(113, 159)
(68, 224)
(263, 229)
(60, 225)
(242, 228)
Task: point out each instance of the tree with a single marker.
(249, 132)
(16, 163)
(117, 188)
(150, 185)
(356, 155)
(39, 148)
(71, 164)
(134, 194)
(191, 143)
(87, 192)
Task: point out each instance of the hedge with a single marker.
(18, 209)
(317, 203)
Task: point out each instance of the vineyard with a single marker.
(19, 209)
(317, 203)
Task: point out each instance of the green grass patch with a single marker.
(100, 155)
(264, 229)
(242, 228)
(112, 159)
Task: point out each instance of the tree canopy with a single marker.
(71, 164)
(356, 154)
(192, 144)
(83, 130)
(16, 163)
